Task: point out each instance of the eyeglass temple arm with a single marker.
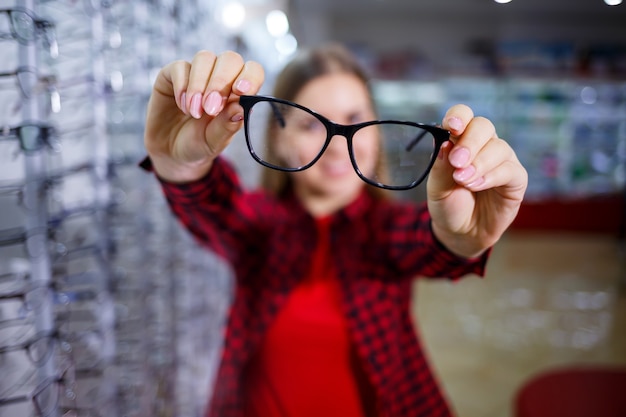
(12, 236)
(278, 115)
(409, 147)
(14, 400)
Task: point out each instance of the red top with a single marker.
(306, 366)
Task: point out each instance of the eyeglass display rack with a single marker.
(123, 303)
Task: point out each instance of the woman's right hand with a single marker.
(194, 112)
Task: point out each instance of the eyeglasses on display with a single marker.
(47, 395)
(25, 27)
(33, 136)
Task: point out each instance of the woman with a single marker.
(320, 324)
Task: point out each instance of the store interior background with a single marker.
(551, 75)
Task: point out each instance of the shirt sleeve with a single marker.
(415, 250)
(215, 210)
(453, 265)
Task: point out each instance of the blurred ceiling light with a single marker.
(277, 23)
(286, 45)
(116, 81)
(502, 1)
(613, 2)
(115, 39)
(588, 95)
(233, 15)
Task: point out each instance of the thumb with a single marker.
(440, 181)
(221, 130)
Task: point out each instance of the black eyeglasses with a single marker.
(288, 137)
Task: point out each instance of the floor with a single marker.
(548, 300)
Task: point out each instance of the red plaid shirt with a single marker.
(379, 247)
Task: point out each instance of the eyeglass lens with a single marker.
(46, 397)
(33, 136)
(26, 77)
(19, 24)
(297, 138)
(27, 80)
(24, 27)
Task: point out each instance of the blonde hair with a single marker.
(307, 66)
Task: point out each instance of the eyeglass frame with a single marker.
(46, 136)
(48, 337)
(347, 131)
(65, 379)
(24, 290)
(41, 27)
(27, 91)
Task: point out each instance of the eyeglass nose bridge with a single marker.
(336, 129)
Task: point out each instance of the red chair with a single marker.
(574, 392)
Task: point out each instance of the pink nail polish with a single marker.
(213, 103)
(454, 123)
(183, 102)
(459, 157)
(243, 86)
(195, 109)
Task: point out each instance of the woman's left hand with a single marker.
(476, 186)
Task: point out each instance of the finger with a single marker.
(229, 119)
(456, 119)
(199, 73)
(477, 175)
(509, 176)
(478, 132)
(440, 178)
(227, 67)
(250, 79)
(227, 122)
(172, 81)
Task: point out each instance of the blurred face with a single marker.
(343, 99)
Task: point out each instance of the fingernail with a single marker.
(243, 86)
(464, 174)
(454, 123)
(195, 109)
(213, 103)
(459, 157)
(183, 102)
(237, 118)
